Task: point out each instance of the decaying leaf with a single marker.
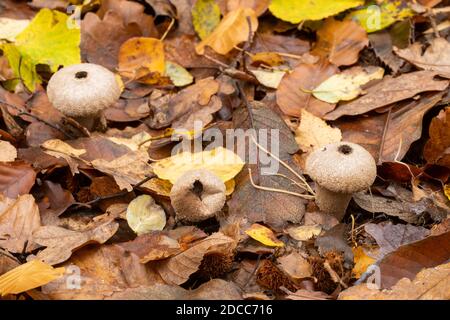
(304, 233)
(264, 235)
(60, 243)
(144, 215)
(313, 132)
(16, 178)
(205, 17)
(437, 148)
(362, 262)
(28, 276)
(429, 284)
(232, 30)
(177, 269)
(19, 218)
(346, 85)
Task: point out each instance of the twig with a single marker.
(304, 196)
(168, 30)
(383, 137)
(253, 272)
(24, 112)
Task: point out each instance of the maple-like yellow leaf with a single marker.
(205, 17)
(142, 59)
(296, 11)
(232, 30)
(362, 262)
(28, 276)
(264, 235)
(222, 162)
(46, 40)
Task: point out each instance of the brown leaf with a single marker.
(259, 6)
(437, 148)
(408, 260)
(19, 218)
(340, 41)
(195, 103)
(390, 236)
(55, 201)
(390, 90)
(295, 265)
(335, 240)
(16, 178)
(434, 58)
(127, 110)
(429, 284)
(177, 269)
(103, 270)
(405, 127)
(381, 43)
(60, 243)
(260, 205)
(294, 94)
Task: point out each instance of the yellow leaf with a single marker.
(142, 59)
(46, 40)
(377, 17)
(205, 17)
(222, 162)
(270, 79)
(268, 58)
(144, 215)
(346, 85)
(447, 190)
(263, 235)
(296, 11)
(232, 30)
(178, 75)
(303, 233)
(28, 276)
(362, 262)
(313, 132)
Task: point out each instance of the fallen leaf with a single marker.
(362, 262)
(19, 218)
(335, 240)
(389, 237)
(232, 30)
(8, 152)
(60, 243)
(270, 79)
(346, 86)
(264, 235)
(177, 269)
(304, 233)
(390, 90)
(313, 132)
(46, 40)
(179, 76)
(28, 276)
(295, 265)
(297, 11)
(259, 6)
(16, 178)
(205, 17)
(436, 149)
(434, 58)
(144, 215)
(222, 162)
(55, 201)
(340, 41)
(409, 259)
(294, 91)
(374, 18)
(142, 59)
(404, 128)
(382, 44)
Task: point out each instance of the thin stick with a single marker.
(383, 137)
(304, 196)
(168, 29)
(286, 166)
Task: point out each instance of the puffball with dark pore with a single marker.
(82, 91)
(339, 170)
(197, 195)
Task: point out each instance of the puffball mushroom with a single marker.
(197, 195)
(83, 91)
(339, 170)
